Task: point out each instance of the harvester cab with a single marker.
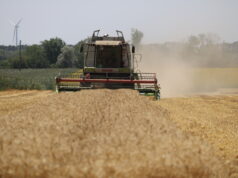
(109, 63)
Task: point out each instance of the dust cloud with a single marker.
(178, 75)
(174, 76)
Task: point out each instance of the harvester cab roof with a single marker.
(106, 37)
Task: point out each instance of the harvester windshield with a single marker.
(107, 56)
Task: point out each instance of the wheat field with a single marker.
(98, 133)
(213, 118)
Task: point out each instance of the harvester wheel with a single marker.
(157, 95)
(57, 89)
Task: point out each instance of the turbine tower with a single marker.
(15, 33)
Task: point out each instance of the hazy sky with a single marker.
(159, 20)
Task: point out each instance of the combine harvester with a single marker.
(109, 63)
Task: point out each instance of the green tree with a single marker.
(14, 62)
(2, 54)
(136, 36)
(4, 64)
(66, 58)
(52, 49)
(34, 57)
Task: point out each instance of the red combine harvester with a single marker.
(109, 63)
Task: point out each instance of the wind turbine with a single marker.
(15, 33)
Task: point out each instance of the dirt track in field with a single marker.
(105, 133)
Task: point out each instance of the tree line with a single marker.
(52, 53)
(205, 50)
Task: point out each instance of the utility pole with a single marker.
(20, 58)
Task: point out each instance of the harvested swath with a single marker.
(100, 133)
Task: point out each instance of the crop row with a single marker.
(41, 79)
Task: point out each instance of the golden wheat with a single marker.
(100, 133)
(213, 118)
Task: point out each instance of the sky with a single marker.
(159, 20)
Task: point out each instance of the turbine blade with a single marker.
(19, 21)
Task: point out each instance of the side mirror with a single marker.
(81, 49)
(133, 49)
